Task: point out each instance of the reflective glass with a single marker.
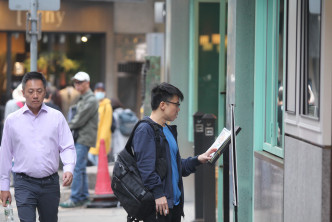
(312, 35)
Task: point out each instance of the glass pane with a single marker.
(312, 57)
(290, 96)
(208, 57)
(279, 89)
(61, 55)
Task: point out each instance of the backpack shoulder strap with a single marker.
(157, 135)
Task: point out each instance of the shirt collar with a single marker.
(86, 94)
(44, 108)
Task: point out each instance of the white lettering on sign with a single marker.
(199, 128)
(48, 17)
(18, 19)
(209, 131)
(60, 16)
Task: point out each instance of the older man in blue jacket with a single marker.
(168, 191)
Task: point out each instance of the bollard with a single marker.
(209, 180)
(226, 198)
(198, 149)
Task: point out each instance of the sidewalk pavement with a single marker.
(82, 214)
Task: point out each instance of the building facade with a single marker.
(91, 35)
(272, 62)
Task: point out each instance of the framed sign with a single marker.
(45, 5)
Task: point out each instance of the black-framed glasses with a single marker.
(177, 104)
(78, 82)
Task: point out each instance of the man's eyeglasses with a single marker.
(78, 82)
(177, 104)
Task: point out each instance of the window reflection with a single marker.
(312, 30)
(279, 90)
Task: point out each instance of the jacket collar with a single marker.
(173, 128)
(87, 94)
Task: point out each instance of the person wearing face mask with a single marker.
(105, 112)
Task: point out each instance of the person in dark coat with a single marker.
(168, 192)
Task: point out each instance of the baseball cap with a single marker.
(81, 76)
(100, 85)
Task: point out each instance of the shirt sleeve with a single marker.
(6, 157)
(66, 146)
(189, 165)
(145, 152)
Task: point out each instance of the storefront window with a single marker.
(130, 52)
(15, 41)
(60, 56)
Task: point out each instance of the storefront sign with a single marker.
(48, 17)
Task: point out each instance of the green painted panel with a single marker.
(260, 69)
(244, 109)
(222, 100)
(208, 57)
(192, 68)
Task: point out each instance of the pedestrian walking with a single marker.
(105, 112)
(36, 136)
(50, 96)
(125, 120)
(164, 181)
(69, 96)
(16, 102)
(85, 124)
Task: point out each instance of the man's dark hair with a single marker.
(33, 75)
(164, 92)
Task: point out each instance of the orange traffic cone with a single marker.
(104, 196)
(103, 183)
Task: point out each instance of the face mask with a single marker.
(100, 95)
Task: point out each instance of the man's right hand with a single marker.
(5, 195)
(162, 206)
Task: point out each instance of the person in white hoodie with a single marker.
(16, 103)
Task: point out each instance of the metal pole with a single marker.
(34, 35)
(234, 163)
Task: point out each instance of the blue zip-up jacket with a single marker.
(145, 153)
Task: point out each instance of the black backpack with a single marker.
(127, 184)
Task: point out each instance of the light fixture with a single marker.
(204, 39)
(78, 39)
(216, 39)
(62, 39)
(84, 38)
(45, 38)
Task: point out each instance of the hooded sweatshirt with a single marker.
(105, 112)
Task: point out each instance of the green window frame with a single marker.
(269, 78)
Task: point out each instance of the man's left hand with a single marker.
(67, 178)
(204, 157)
